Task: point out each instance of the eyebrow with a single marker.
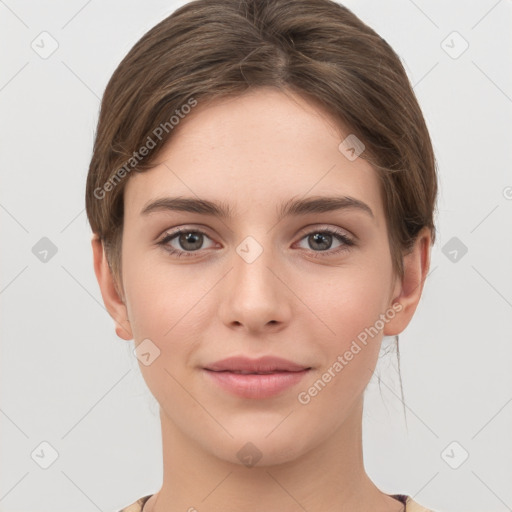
(292, 207)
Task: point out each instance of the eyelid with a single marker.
(306, 230)
(325, 227)
(194, 228)
(171, 233)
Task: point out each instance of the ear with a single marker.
(408, 290)
(113, 302)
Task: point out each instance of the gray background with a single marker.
(66, 378)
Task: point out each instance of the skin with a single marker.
(254, 152)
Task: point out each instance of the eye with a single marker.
(320, 241)
(187, 240)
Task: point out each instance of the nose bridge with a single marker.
(252, 277)
(254, 297)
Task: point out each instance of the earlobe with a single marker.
(113, 302)
(416, 267)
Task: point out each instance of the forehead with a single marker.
(261, 148)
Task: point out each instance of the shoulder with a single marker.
(137, 506)
(412, 506)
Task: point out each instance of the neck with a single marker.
(330, 477)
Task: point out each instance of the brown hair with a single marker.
(209, 49)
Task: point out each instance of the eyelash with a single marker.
(316, 254)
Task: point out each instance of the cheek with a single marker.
(164, 306)
(170, 306)
(159, 295)
(350, 306)
(346, 301)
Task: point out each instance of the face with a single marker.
(300, 284)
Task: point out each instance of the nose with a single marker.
(254, 296)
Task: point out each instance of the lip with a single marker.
(253, 385)
(261, 364)
(280, 375)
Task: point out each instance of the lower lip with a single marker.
(256, 386)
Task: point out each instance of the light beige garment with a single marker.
(410, 506)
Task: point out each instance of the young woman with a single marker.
(261, 194)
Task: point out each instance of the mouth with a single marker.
(263, 365)
(245, 372)
(260, 378)
(255, 385)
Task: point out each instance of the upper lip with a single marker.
(262, 364)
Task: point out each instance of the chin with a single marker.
(255, 447)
